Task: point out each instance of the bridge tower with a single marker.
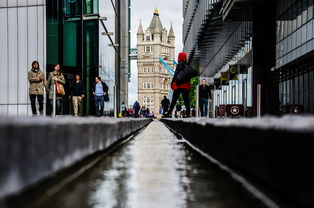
(153, 78)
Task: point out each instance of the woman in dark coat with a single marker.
(183, 88)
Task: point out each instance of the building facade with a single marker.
(86, 37)
(22, 40)
(273, 51)
(153, 79)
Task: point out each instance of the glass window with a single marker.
(296, 90)
(303, 31)
(294, 17)
(299, 37)
(294, 40)
(310, 10)
(309, 46)
(299, 12)
(289, 43)
(71, 7)
(304, 11)
(301, 101)
(309, 30)
(90, 6)
(69, 43)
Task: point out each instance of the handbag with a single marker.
(60, 89)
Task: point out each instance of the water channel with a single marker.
(154, 170)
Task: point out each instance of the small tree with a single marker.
(194, 83)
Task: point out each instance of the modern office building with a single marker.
(89, 37)
(239, 48)
(86, 37)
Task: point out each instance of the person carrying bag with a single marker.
(56, 78)
(181, 84)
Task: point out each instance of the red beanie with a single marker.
(182, 57)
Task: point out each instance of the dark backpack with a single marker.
(186, 73)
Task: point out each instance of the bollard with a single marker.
(197, 102)
(258, 108)
(115, 101)
(54, 102)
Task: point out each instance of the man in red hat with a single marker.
(180, 88)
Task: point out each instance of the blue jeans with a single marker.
(204, 107)
(58, 106)
(99, 102)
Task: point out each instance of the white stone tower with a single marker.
(153, 78)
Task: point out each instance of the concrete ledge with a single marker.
(34, 149)
(275, 152)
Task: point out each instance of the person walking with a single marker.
(165, 104)
(182, 88)
(101, 94)
(78, 94)
(204, 93)
(123, 109)
(178, 110)
(136, 108)
(37, 82)
(55, 77)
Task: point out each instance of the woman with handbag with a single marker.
(56, 78)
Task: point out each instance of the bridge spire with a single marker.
(140, 30)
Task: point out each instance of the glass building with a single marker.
(274, 51)
(86, 37)
(294, 53)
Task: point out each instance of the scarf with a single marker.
(35, 70)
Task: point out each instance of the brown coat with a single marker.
(51, 81)
(37, 82)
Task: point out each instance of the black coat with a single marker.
(165, 102)
(77, 89)
(204, 92)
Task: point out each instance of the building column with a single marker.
(264, 57)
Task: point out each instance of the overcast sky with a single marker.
(169, 11)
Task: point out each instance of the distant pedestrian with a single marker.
(123, 109)
(55, 77)
(143, 112)
(78, 94)
(178, 109)
(37, 80)
(183, 87)
(100, 93)
(147, 113)
(130, 112)
(136, 108)
(165, 104)
(204, 96)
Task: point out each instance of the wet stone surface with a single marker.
(154, 170)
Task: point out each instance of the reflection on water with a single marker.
(154, 170)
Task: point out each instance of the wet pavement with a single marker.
(154, 170)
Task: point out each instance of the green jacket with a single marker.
(37, 82)
(51, 82)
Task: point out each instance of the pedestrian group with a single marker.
(54, 86)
